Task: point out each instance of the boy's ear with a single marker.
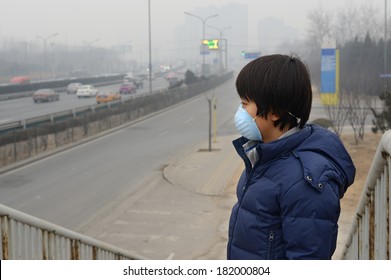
(274, 117)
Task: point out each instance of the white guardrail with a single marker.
(25, 237)
(370, 234)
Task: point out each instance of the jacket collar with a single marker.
(275, 149)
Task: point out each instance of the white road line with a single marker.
(189, 120)
(163, 133)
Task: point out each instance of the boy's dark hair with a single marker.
(280, 84)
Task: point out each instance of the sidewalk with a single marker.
(181, 212)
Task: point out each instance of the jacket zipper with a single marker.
(270, 246)
(249, 176)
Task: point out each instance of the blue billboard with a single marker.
(329, 76)
(328, 71)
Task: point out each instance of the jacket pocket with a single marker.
(270, 245)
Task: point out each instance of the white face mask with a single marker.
(246, 125)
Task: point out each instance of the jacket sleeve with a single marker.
(309, 220)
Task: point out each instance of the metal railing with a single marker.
(370, 234)
(24, 237)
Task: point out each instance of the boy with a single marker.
(295, 173)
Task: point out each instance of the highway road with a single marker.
(24, 108)
(70, 187)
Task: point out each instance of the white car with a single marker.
(73, 87)
(86, 91)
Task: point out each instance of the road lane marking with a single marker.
(188, 121)
(163, 133)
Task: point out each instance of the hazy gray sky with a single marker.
(116, 22)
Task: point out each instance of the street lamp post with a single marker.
(45, 40)
(150, 47)
(221, 30)
(203, 35)
(385, 37)
(385, 70)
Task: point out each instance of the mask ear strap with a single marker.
(297, 119)
(256, 117)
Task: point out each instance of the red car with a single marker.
(20, 80)
(127, 88)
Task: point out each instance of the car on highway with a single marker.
(107, 97)
(20, 80)
(86, 91)
(73, 87)
(45, 95)
(127, 88)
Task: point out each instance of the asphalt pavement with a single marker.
(179, 212)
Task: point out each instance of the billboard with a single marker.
(329, 75)
(212, 44)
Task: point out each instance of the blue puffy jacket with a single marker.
(289, 202)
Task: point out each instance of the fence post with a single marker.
(4, 238)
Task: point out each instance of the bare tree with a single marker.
(354, 105)
(360, 80)
(358, 106)
(354, 22)
(320, 25)
(337, 115)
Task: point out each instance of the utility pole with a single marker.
(150, 47)
(221, 30)
(385, 37)
(203, 20)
